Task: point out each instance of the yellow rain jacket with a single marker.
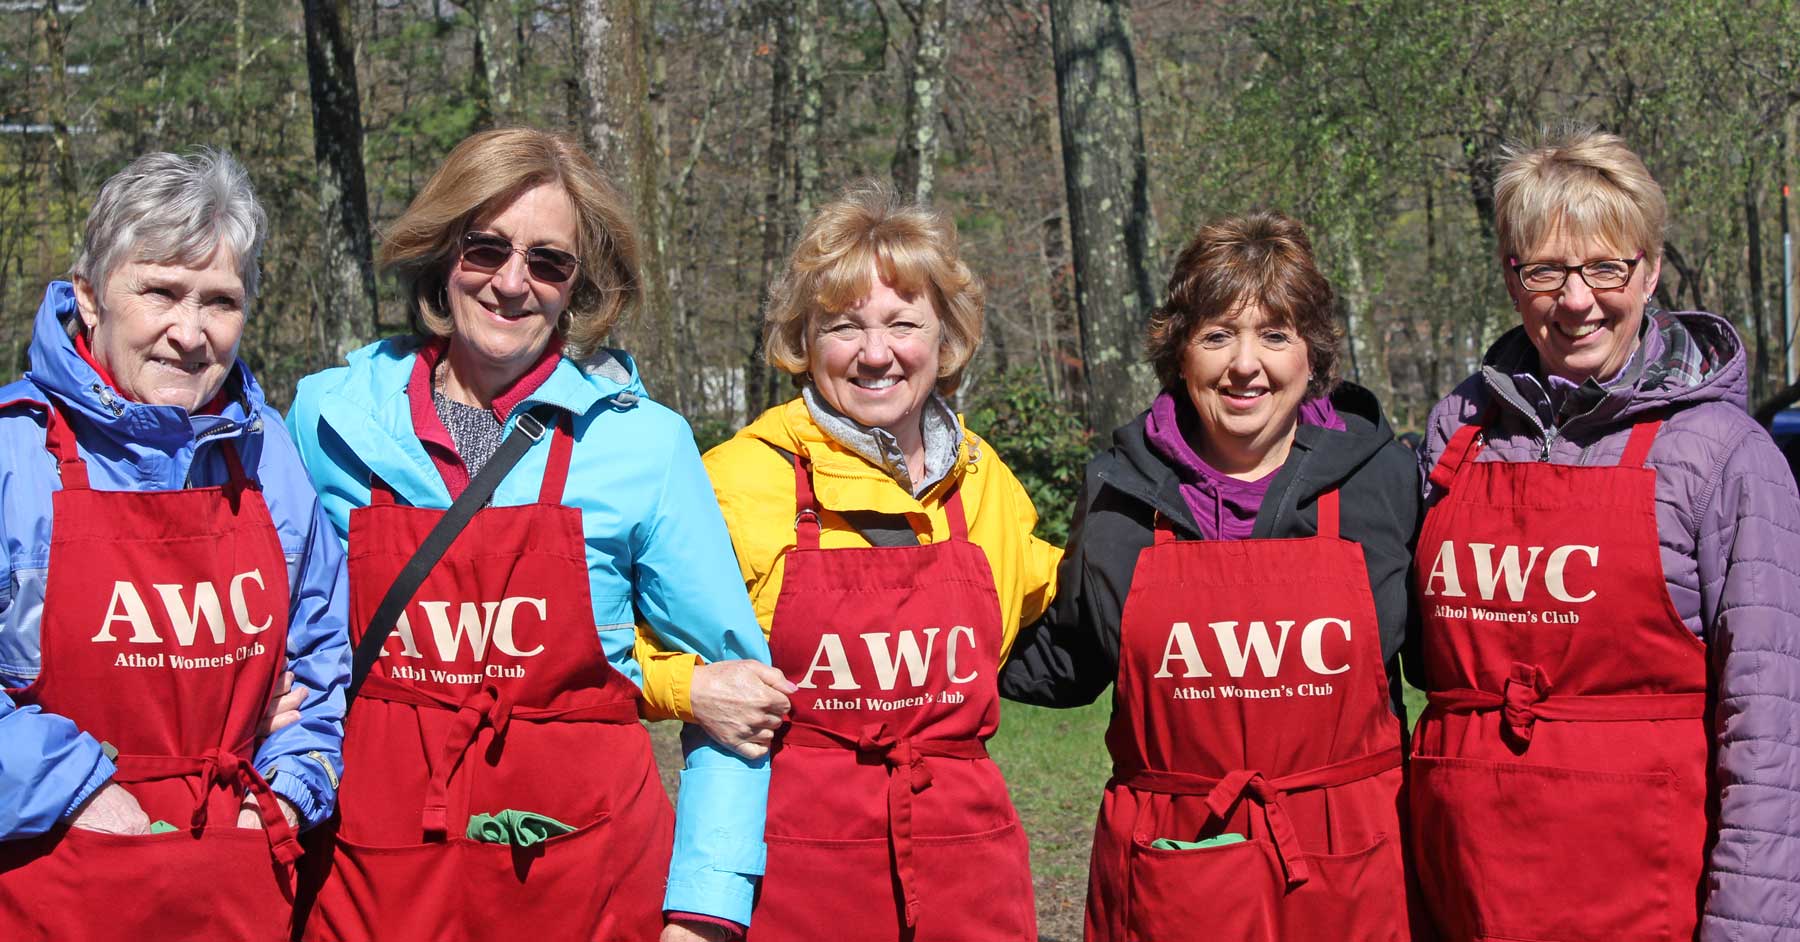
(755, 487)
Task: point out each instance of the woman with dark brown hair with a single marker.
(1238, 571)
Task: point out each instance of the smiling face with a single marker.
(1581, 333)
(877, 362)
(1246, 378)
(504, 318)
(167, 333)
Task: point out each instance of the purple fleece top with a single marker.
(1224, 507)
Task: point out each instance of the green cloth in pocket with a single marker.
(162, 827)
(1169, 843)
(515, 827)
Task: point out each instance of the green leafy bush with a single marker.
(1043, 439)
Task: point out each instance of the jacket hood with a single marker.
(843, 479)
(1687, 358)
(1321, 458)
(58, 370)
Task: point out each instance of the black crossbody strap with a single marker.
(880, 529)
(527, 431)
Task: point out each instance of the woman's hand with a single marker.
(250, 815)
(740, 704)
(284, 707)
(678, 930)
(111, 810)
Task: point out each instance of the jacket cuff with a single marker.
(668, 681)
(102, 773)
(299, 792)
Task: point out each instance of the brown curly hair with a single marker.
(1262, 258)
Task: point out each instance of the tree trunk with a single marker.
(1108, 191)
(604, 79)
(490, 75)
(58, 66)
(915, 156)
(1759, 370)
(347, 313)
(646, 180)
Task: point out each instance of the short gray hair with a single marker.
(174, 208)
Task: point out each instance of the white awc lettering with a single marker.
(1559, 561)
(185, 620)
(958, 631)
(1487, 574)
(1180, 646)
(1256, 641)
(125, 595)
(503, 629)
(240, 610)
(887, 667)
(1312, 645)
(1444, 568)
(403, 631)
(831, 652)
(475, 622)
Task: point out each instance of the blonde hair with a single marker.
(485, 172)
(913, 248)
(1584, 179)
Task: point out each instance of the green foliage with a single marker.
(1042, 439)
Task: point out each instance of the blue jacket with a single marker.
(656, 544)
(47, 765)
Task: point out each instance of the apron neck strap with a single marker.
(806, 508)
(380, 493)
(953, 509)
(1165, 529)
(1462, 448)
(1637, 447)
(556, 471)
(1328, 514)
(59, 438)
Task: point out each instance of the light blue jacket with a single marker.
(656, 544)
(47, 765)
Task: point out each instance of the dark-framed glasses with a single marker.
(487, 252)
(1601, 274)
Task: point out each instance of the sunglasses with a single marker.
(487, 252)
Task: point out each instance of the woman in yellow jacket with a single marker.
(889, 555)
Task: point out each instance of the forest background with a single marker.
(1077, 144)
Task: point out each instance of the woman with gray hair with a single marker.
(168, 571)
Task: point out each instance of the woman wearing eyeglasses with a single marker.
(496, 776)
(1607, 582)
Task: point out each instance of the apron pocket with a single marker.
(1238, 892)
(1509, 850)
(588, 884)
(971, 888)
(222, 886)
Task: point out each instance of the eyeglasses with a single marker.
(487, 252)
(1601, 274)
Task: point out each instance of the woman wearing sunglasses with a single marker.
(1610, 613)
(497, 775)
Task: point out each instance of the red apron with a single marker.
(887, 819)
(164, 630)
(493, 693)
(1252, 699)
(1559, 774)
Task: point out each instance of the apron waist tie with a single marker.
(490, 707)
(1224, 792)
(1526, 698)
(907, 775)
(221, 766)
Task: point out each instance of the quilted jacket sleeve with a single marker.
(1749, 566)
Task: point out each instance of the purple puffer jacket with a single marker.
(1728, 519)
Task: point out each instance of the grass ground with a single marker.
(1056, 765)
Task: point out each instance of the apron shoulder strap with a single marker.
(879, 529)
(59, 438)
(806, 506)
(1328, 514)
(556, 470)
(1637, 447)
(953, 509)
(1164, 529)
(1462, 448)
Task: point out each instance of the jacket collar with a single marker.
(370, 409)
(843, 479)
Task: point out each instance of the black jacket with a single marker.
(1070, 655)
